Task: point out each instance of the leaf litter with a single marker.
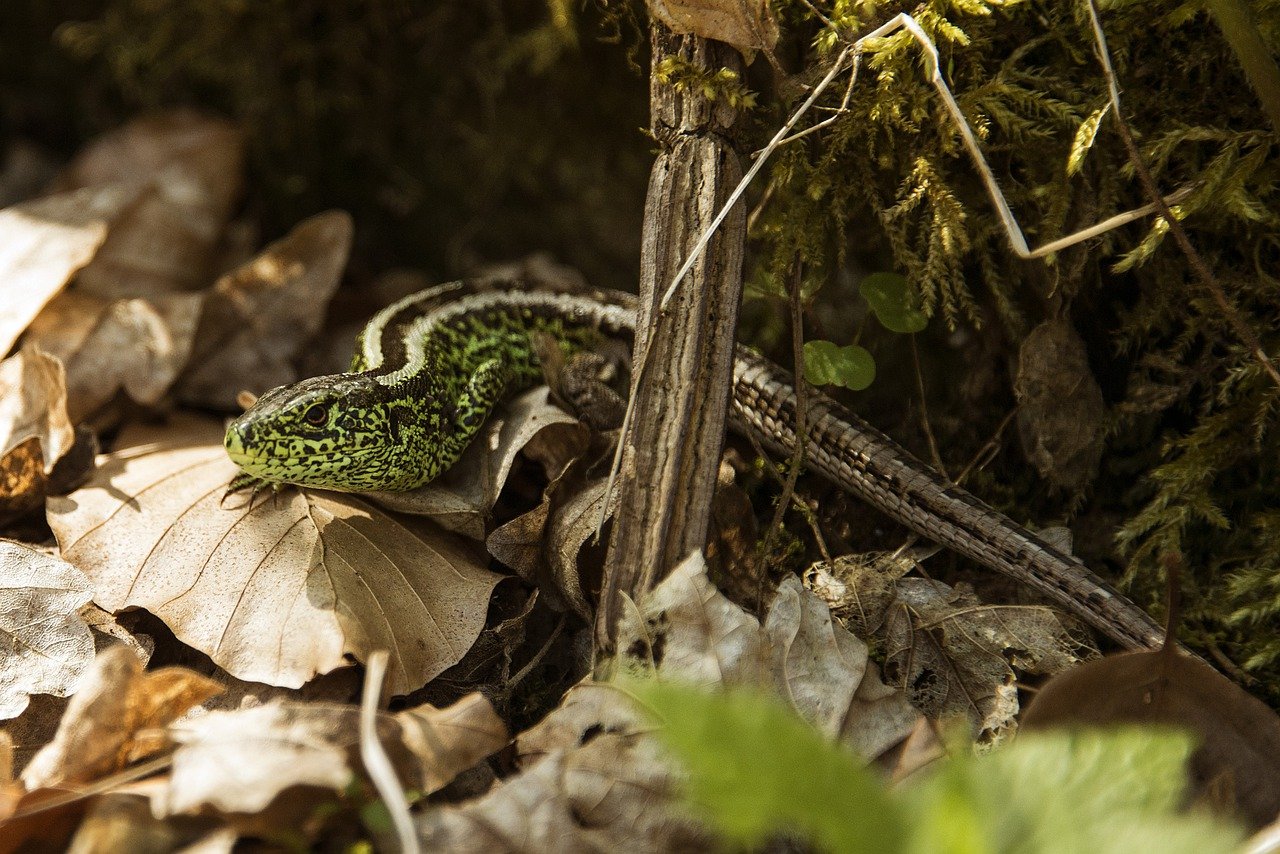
(285, 593)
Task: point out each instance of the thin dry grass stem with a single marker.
(1017, 240)
(376, 763)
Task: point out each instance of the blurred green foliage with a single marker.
(1107, 792)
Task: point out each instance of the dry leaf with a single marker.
(745, 24)
(189, 169)
(279, 591)
(239, 762)
(44, 243)
(690, 631)
(259, 316)
(544, 546)
(123, 821)
(33, 404)
(137, 345)
(44, 645)
(826, 675)
(959, 656)
(1061, 413)
(954, 654)
(116, 717)
(1239, 735)
(462, 497)
(614, 794)
(448, 741)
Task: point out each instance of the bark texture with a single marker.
(682, 393)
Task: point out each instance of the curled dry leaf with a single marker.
(44, 645)
(688, 630)
(188, 168)
(745, 24)
(1061, 413)
(33, 404)
(259, 316)
(1238, 758)
(296, 744)
(615, 793)
(138, 345)
(545, 545)
(954, 654)
(277, 591)
(462, 497)
(117, 716)
(42, 245)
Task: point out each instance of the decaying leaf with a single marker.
(1238, 760)
(687, 630)
(117, 716)
(239, 762)
(745, 24)
(616, 792)
(188, 169)
(1061, 413)
(545, 544)
(260, 315)
(138, 345)
(462, 497)
(45, 647)
(954, 654)
(277, 591)
(42, 245)
(33, 403)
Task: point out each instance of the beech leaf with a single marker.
(42, 245)
(44, 645)
(277, 591)
(745, 24)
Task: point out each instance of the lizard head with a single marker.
(334, 432)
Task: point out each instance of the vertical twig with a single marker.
(1198, 266)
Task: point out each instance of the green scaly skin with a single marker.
(406, 411)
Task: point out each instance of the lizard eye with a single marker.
(316, 416)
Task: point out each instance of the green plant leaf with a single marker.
(755, 768)
(827, 363)
(893, 301)
(1100, 791)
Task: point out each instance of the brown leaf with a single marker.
(44, 645)
(189, 170)
(116, 717)
(448, 741)
(462, 497)
(33, 403)
(953, 653)
(690, 631)
(613, 794)
(544, 545)
(745, 24)
(315, 744)
(44, 243)
(136, 345)
(1061, 413)
(279, 591)
(1239, 735)
(259, 316)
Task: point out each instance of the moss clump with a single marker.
(1192, 461)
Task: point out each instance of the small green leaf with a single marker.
(1083, 141)
(827, 363)
(891, 298)
(755, 768)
